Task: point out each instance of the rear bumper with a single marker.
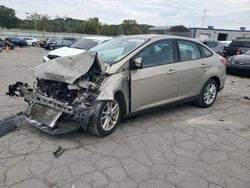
(244, 70)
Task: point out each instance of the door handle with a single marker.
(171, 71)
(203, 65)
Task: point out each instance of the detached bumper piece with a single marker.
(11, 123)
(61, 127)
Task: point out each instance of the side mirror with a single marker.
(137, 63)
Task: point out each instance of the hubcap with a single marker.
(210, 93)
(110, 115)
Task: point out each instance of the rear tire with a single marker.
(106, 118)
(208, 94)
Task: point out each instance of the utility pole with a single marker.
(204, 16)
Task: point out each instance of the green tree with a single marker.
(130, 27)
(92, 26)
(8, 18)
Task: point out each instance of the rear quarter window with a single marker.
(206, 52)
(188, 50)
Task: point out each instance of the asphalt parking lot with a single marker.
(181, 146)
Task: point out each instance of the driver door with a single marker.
(156, 82)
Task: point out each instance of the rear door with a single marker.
(156, 82)
(191, 70)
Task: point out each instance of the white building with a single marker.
(219, 34)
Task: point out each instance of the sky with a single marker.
(223, 14)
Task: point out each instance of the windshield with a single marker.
(84, 44)
(114, 50)
(240, 44)
(247, 52)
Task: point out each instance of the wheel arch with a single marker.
(217, 80)
(120, 96)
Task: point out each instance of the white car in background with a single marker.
(76, 48)
(31, 41)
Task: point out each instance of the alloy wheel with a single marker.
(210, 93)
(110, 115)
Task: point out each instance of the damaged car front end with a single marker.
(64, 96)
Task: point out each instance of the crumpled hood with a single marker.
(66, 51)
(67, 69)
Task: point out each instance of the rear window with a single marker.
(84, 44)
(236, 43)
(211, 44)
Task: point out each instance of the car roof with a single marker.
(210, 40)
(160, 37)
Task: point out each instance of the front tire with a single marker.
(208, 94)
(34, 44)
(106, 118)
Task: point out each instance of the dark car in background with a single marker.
(215, 45)
(16, 41)
(51, 45)
(45, 42)
(239, 64)
(72, 39)
(237, 47)
(2, 45)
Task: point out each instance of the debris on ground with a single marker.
(246, 97)
(11, 123)
(221, 120)
(58, 152)
(14, 90)
(232, 82)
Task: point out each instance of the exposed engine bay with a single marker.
(60, 100)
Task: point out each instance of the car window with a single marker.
(247, 52)
(158, 53)
(85, 44)
(236, 43)
(211, 44)
(188, 50)
(114, 50)
(205, 51)
(59, 41)
(67, 42)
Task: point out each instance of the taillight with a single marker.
(224, 61)
(238, 51)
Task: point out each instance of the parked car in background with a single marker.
(31, 41)
(237, 47)
(16, 41)
(119, 78)
(76, 48)
(43, 43)
(2, 45)
(239, 64)
(57, 44)
(226, 43)
(215, 45)
(8, 44)
(72, 39)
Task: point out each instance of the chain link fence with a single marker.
(38, 34)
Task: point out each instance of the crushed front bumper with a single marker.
(53, 116)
